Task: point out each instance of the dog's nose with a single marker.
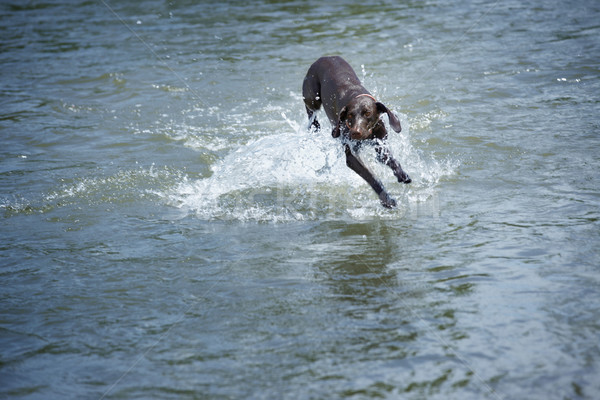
(355, 135)
(358, 135)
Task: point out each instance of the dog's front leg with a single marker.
(384, 156)
(354, 163)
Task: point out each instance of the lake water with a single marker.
(169, 229)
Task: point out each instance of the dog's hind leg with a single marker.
(313, 124)
(311, 93)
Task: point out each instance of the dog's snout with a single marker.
(360, 134)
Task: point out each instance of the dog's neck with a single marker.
(367, 95)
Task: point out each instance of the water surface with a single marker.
(169, 229)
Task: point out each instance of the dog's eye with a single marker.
(368, 114)
(349, 123)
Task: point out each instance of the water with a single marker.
(170, 230)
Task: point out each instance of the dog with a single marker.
(354, 115)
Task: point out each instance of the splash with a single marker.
(298, 175)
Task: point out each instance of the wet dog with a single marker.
(354, 115)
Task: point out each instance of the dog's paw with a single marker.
(403, 178)
(386, 200)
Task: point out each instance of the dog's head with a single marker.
(360, 116)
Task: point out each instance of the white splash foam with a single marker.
(301, 175)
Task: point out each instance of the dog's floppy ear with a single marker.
(394, 122)
(336, 130)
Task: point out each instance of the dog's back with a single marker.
(330, 81)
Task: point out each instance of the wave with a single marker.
(123, 186)
(257, 175)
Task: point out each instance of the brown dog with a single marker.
(354, 115)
